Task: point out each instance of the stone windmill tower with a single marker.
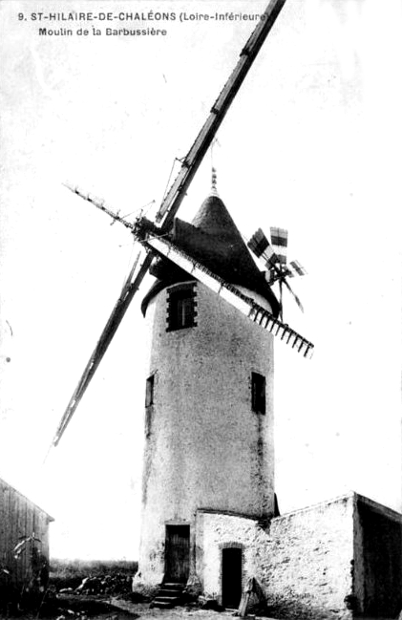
(209, 414)
(211, 316)
(208, 475)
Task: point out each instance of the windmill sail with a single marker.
(130, 287)
(176, 193)
(262, 248)
(279, 240)
(295, 269)
(295, 297)
(230, 293)
(275, 256)
(218, 111)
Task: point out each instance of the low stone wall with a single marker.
(306, 563)
(328, 561)
(303, 560)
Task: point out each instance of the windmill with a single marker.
(274, 255)
(157, 240)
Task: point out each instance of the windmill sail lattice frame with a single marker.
(166, 214)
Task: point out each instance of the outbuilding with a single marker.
(24, 544)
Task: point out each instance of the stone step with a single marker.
(170, 584)
(169, 593)
(161, 604)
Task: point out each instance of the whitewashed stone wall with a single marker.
(205, 447)
(217, 531)
(306, 565)
(302, 561)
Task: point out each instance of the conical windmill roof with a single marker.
(214, 218)
(213, 240)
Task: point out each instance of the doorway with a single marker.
(177, 553)
(231, 577)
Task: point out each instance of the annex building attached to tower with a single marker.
(210, 518)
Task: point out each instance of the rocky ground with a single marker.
(110, 598)
(99, 607)
(123, 609)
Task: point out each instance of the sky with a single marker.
(312, 143)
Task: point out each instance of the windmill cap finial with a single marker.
(214, 191)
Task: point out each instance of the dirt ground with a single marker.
(87, 607)
(125, 610)
(181, 613)
(91, 608)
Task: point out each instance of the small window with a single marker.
(181, 307)
(149, 391)
(257, 392)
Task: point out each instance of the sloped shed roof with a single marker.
(4, 486)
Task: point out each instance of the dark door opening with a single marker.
(177, 553)
(231, 577)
